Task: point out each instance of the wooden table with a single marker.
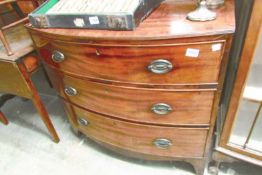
(16, 71)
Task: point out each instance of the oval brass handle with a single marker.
(82, 121)
(70, 91)
(160, 66)
(58, 57)
(163, 143)
(161, 108)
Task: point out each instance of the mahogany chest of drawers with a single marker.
(151, 93)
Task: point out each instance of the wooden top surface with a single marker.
(19, 41)
(6, 1)
(166, 22)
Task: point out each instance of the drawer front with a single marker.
(146, 139)
(165, 106)
(181, 64)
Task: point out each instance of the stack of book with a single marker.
(95, 14)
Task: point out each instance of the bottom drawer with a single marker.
(144, 139)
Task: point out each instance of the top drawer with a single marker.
(167, 64)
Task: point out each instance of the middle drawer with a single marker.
(153, 106)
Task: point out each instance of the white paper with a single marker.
(216, 47)
(192, 52)
(79, 22)
(93, 20)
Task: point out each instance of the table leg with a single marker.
(5, 43)
(44, 115)
(17, 9)
(4, 98)
(39, 104)
(3, 119)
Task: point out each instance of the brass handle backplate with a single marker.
(70, 91)
(82, 122)
(160, 66)
(58, 57)
(161, 109)
(162, 143)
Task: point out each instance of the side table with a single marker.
(16, 68)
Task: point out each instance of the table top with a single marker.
(19, 41)
(167, 21)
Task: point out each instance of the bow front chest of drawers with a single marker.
(151, 93)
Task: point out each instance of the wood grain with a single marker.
(130, 64)
(134, 104)
(139, 138)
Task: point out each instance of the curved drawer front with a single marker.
(140, 105)
(153, 140)
(192, 63)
